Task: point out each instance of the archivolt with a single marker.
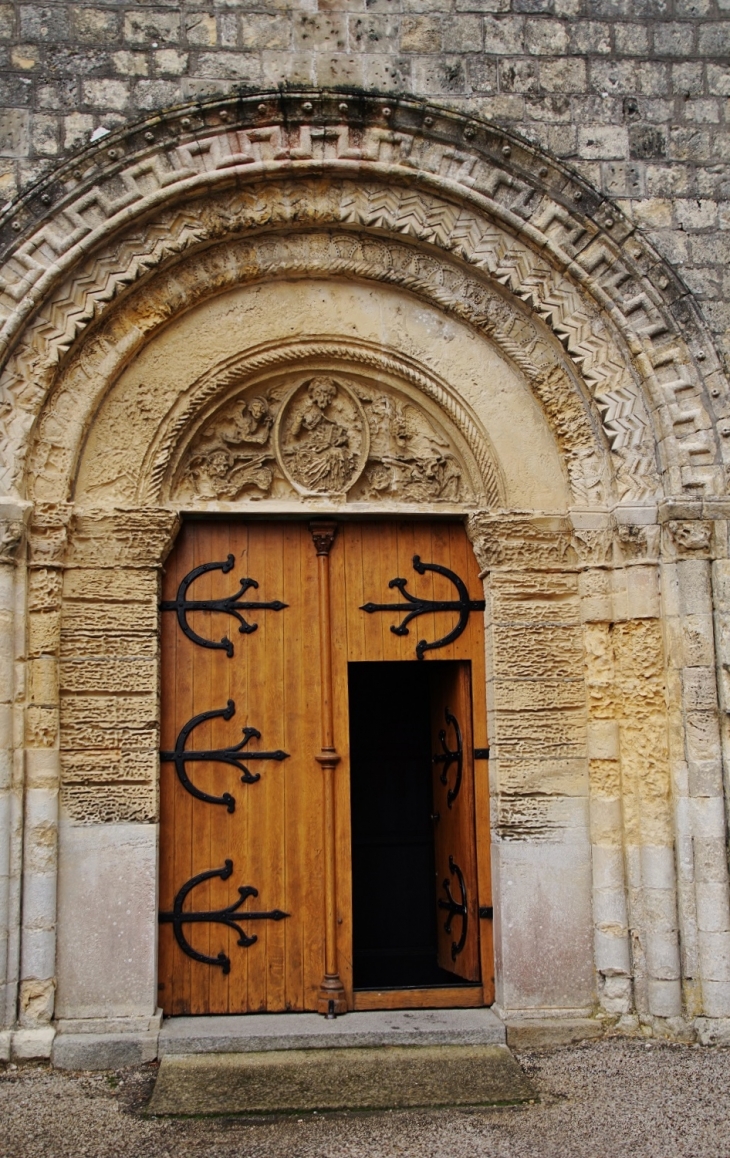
(438, 177)
(438, 280)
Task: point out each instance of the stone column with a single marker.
(634, 897)
(538, 774)
(696, 642)
(11, 654)
(47, 548)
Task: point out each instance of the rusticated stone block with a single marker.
(109, 803)
(112, 674)
(539, 652)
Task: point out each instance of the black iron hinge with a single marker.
(481, 753)
(486, 912)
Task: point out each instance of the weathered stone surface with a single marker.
(400, 1076)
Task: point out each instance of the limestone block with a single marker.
(32, 1044)
(556, 819)
(665, 997)
(713, 906)
(543, 893)
(110, 765)
(110, 673)
(107, 906)
(36, 1001)
(715, 956)
(608, 869)
(536, 695)
(81, 645)
(708, 818)
(44, 629)
(103, 1051)
(642, 592)
(716, 999)
(698, 641)
(540, 652)
(534, 598)
(110, 804)
(713, 1030)
(612, 953)
(605, 821)
(695, 596)
(657, 867)
(43, 681)
(109, 586)
(42, 767)
(564, 777)
(699, 689)
(602, 740)
(609, 911)
(710, 862)
(103, 619)
(39, 952)
(541, 733)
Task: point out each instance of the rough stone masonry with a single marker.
(635, 94)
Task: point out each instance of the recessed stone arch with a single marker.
(468, 224)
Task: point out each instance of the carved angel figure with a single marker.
(231, 455)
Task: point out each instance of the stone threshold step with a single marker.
(289, 1081)
(257, 1032)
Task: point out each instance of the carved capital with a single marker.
(689, 539)
(324, 533)
(516, 543)
(11, 536)
(637, 542)
(128, 538)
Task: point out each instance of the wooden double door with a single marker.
(324, 797)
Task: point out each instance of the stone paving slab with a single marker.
(286, 1081)
(256, 1032)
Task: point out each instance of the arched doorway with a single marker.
(472, 302)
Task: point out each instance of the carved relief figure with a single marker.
(321, 437)
(327, 437)
(232, 455)
(409, 460)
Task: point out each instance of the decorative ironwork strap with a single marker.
(447, 758)
(180, 756)
(229, 916)
(455, 909)
(231, 605)
(415, 607)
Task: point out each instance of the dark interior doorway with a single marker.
(393, 864)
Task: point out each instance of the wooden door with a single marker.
(255, 854)
(229, 704)
(452, 746)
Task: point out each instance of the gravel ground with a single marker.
(598, 1100)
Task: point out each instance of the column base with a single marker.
(331, 1000)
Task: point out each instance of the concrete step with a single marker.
(258, 1032)
(301, 1080)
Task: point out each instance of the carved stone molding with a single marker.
(522, 339)
(469, 200)
(521, 543)
(514, 541)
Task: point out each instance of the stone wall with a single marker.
(634, 93)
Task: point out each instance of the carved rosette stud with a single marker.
(321, 437)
